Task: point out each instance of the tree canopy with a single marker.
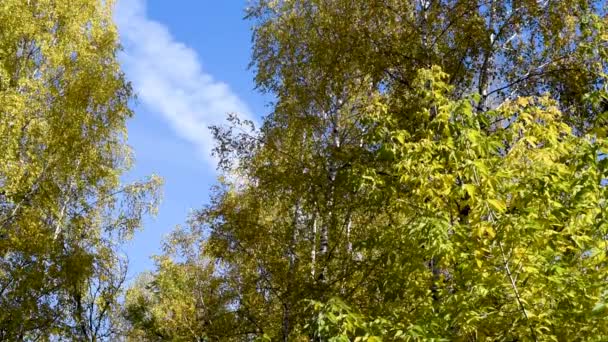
(63, 210)
(430, 170)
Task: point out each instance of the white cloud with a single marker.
(169, 80)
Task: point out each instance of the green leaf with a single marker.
(599, 309)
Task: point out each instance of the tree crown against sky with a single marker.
(64, 103)
(430, 170)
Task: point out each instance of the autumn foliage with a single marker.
(429, 170)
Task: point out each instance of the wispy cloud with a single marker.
(168, 78)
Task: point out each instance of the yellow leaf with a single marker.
(491, 232)
(470, 189)
(497, 205)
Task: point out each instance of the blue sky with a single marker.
(187, 60)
